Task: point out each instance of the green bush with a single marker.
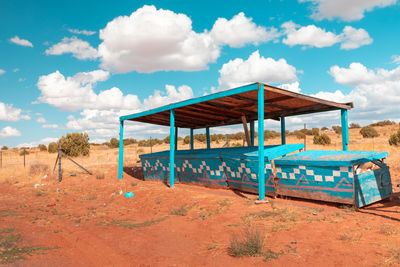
(42, 147)
(354, 125)
(382, 123)
(324, 128)
(129, 141)
(322, 139)
(114, 143)
(153, 142)
(368, 132)
(166, 139)
(394, 139)
(4, 148)
(24, 151)
(270, 134)
(337, 129)
(52, 147)
(75, 144)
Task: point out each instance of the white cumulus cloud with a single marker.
(84, 32)
(41, 120)
(396, 59)
(9, 131)
(79, 48)
(9, 113)
(313, 36)
(152, 40)
(256, 68)
(241, 30)
(375, 93)
(22, 42)
(2, 71)
(50, 126)
(76, 92)
(344, 9)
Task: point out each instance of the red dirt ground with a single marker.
(92, 224)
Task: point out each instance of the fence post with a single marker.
(305, 137)
(1, 159)
(24, 156)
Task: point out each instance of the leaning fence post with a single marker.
(24, 156)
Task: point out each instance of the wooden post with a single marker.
(345, 129)
(283, 131)
(176, 138)
(1, 159)
(246, 131)
(252, 132)
(24, 156)
(261, 164)
(208, 137)
(305, 137)
(151, 146)
(172, 148)
(121, 150)
(191, 139)
(59, 165)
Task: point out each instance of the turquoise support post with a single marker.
(176, 138)
(191, 139)
(121, 150)
(283, 131)
(172, 148)
(208, 137)
(261, 176)
(252, 132)
(345, 129)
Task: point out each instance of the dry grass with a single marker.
(39, 163)
(251, 243)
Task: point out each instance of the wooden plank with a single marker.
(246, 130)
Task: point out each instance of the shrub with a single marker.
(4, 148)
(337, 129)
(42, 147)
(394, 139)
(251, 244)
(38, 168)
(166, 140)
(382, 123)
(24, 151)
(324, 128)
(75, 144)
(129, 141)
(368, 132)
(322, 139)
(270, 134)
(153, 142)
(114, 143)
(52, 147)
(299, 134)
(354, 125)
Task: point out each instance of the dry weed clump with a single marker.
(251, 243)
(38, 168)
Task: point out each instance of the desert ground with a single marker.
(86, 220)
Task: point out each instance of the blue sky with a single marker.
(74, 66)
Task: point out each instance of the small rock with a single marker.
(315, 213)
(45, 176)
(58, 190)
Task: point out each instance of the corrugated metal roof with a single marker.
(228, 107)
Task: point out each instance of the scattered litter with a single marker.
(129, 194)
(104, 204)
(120, 192)
(58, 190)
(43, 184)
(36, 185)
(51, 205)
(93, 215)
(204, 217)
(16, 182)
(315, 213)
(398, 185)
(77, 225)
(112, 194)
(195, 202)
(73, 174)
(45, 176)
